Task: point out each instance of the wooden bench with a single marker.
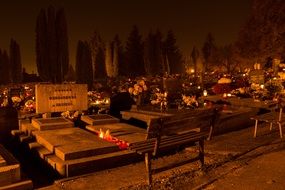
(274, 117)
(172, 132)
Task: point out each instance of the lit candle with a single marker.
(205, 93)
(165, 94)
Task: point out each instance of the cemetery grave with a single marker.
(70, 150)
(10, 172)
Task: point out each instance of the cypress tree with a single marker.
(108, 61)
(41, 46)
(62, 45)
(15, 62)
(100, 69)
(173, 56)
(194, 58)
(209, 48)
(84, 73)
(52, 45)
(134, 54)
(121, 66)
(153, 54)
(115, 60)
(4, 68)
(98, 62)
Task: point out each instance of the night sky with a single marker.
(191, 21)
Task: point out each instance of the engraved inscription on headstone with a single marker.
(60, 97)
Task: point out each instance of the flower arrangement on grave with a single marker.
(97, 98)
(243, 92)
(72, 115)
(273, 87)
(30, 106)
(159, 98)
(189, 102)
(268, 91)
(138, 91)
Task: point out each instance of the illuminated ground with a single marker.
(233, 161)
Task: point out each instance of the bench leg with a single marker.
(210, 133)
(148, 168)
(255, 128)
(280, 130)
(271, 125)
(201, 151)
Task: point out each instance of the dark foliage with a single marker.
(172, 54)
(4, 68)
(52, 45)
(209, 48)
(84, 72)
(134, 54)
(263, 35)
(15, 62)
(153, 54)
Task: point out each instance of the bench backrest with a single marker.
(177, 124)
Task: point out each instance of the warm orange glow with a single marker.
(105, 135)
(101, 134)
(108, 137)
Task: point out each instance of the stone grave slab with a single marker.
(90, 164)
(119, 128)
(99, 119)
(60, 97)
(27, 127)
(2, 161)
(51, 123)
(121, 131)
(41, 151)
(34, 145)
(10, 172)
(21, 185)
(72, 143)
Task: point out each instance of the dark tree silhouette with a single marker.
(120, 53)
(84, 73)
(62, 45)
(134, 54)
(52, 45)
(227, 58)
(100, 69)
(209, 48)
(172, 54)
(15, 62)
(70, 75)
(153, 54)
(194, 57)
(4, 67)
(98, 56)
(41, 47)
(263, 35)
